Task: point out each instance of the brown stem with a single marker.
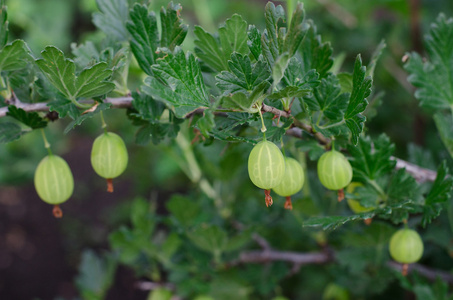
(288, 203)
(268, 198)
(340, 195)
(420, 174)
(109, 185)
(57, 212)
(405, 269)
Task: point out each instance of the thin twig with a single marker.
(265, 256)
(261, 241)
(426, 272)
(420, 174)
(281, 113)
(121, 102)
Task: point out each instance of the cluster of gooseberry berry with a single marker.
(269, 169)
(53, 178)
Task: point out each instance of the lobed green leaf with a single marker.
(31, 119)
(60, 71)
(112, 18)
(210, 238)
(371, 160)
(244, 76)
(432, 77)
(444, 123)
(361, 89)
(3, 25)
(144, 36)
(173, 31)
(178, 83)
(314, 54)
(14, 56)
(216, 52)
(10, 132)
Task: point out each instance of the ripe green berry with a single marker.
(266, 167)
(292, 181)
(334, 171)
(109, 157)
(54, 182)
(406, 246)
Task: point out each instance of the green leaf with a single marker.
(146, 107)
(183, 209)
(179, 83)
(227, 287)
(81, 118)
(254, 42)
(279, 68)
(209, 51)
(276, 133)
(345, 80)
(238, 101)
(233, 36)
(60, 71)
(142, 217)
(314, 54)
(156, 132)
(402, 188)
(91, 81)
(145, 36)
(10, 132)
(432, 77)
(217, 52)
(374, 58)
(173, 31)
(440, 193)
(96, 275)
(85, 54)
(371, 160)
(170, 247)
(444, 124)
(206, 123)
(14, 56)
(275, 40)
(112, 18)
(3, 25)
(242, 102)
(244, 76)
(296, 31)
(289, 92)
(226, 127)
(297, 82)
(361, 89)
(327, 99)
(270, 39)
(210, 238)
(64, 108)
(31, 119)
(238, 241)
(57, 102)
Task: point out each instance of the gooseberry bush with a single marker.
(243, 109)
